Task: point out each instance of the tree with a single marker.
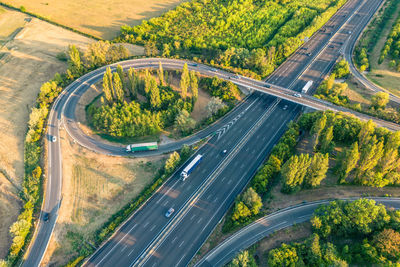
(317, 171)
(370, 154)
(342, 69)
(348, 161)
(155, 100)
(366, 131)
(160, 73)
(214, 105)
(252, 200)
(243, 259)
(326, 140)
(108, 75)
(107, 88)
(293, 172)
(184, 122)
(132, 82)
(121, 75)
(390, 159)
(119, 93)
(317, 128)
(194, 85)
(166, 50)
(380, 100)
(172, 162)
(387, 243)
(285, 255)
(74, 61)
(240, 211)
(185, 79)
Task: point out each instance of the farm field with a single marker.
(94, 187)
(100, 18)
(27, 59)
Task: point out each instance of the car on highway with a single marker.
(267, 86)
(214, 69)
(169, 212)
(297, 95)
(54, 138)
(46, 216)
(237, 77)
(194, 64)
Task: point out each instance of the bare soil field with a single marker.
(94, 187)
(100, 18)
(27, 59)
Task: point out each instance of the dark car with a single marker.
(46, 216)
(194, 64)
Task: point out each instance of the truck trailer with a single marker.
(189, 168)
(307, 87)
(141, 147)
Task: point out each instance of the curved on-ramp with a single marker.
(267, 225)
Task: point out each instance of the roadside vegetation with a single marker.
(343, 233)
(341, 94)
(251, 37)
(146, 102)
(351, 151)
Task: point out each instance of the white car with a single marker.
(297, 95)
(285, 107)
(54, 139)
(169, 212)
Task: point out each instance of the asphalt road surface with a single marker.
(239, 132)
(266, 226)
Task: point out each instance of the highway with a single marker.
(265, 226)
(210, 190)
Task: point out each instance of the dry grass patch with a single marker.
(27, 60)
(102, 18)
(94, 187)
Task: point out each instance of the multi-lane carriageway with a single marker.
(147, 238)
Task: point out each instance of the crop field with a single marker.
(94, 187)
(100, 18)
(28, 49)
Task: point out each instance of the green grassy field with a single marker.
(100, 18)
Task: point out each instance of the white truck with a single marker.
(307, 87)
(190, 167)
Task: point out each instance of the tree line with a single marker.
(372, 34)
(392, 47)
(243, 35)
(345, 233)
(370, 156)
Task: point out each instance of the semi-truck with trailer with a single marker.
(190, 167)
(141, 147)
(307, 87)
